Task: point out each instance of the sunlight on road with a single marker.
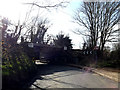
(69, 77)
(38, 62)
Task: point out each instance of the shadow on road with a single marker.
(50, 69)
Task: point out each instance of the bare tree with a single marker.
(34, 27)
(38, 26)
(10, 35)
(99, 19)
(36, 30)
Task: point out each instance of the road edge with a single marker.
(97, 72)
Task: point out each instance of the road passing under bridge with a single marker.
(53, 76)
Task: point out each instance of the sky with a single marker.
(63, 22)
(61, 19)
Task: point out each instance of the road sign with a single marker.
(96, 48)
(30, 45)
(90, 52)
(65, 48)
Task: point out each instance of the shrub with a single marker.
(16, 65)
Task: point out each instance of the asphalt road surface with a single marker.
(53, 76)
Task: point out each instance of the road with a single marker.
(53, 76)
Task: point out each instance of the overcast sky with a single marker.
(61, 19)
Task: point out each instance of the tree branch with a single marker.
(49, 6)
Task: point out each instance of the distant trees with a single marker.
(11, 35)
(63, 41)
(87, 44)
(36, 31)
(37, 26)
(115, 54)
(99, 20)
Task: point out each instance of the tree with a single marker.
(10, 36)
(62, 41)
(15, 33)
(36, 30)
(99, 20)
(115, 54)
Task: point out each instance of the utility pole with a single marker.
(95, 54)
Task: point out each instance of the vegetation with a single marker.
(17, 66)
(61, 49)
(113, 58)
(18, 59)
(98, 20)
(18, 63)
(63, 41)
